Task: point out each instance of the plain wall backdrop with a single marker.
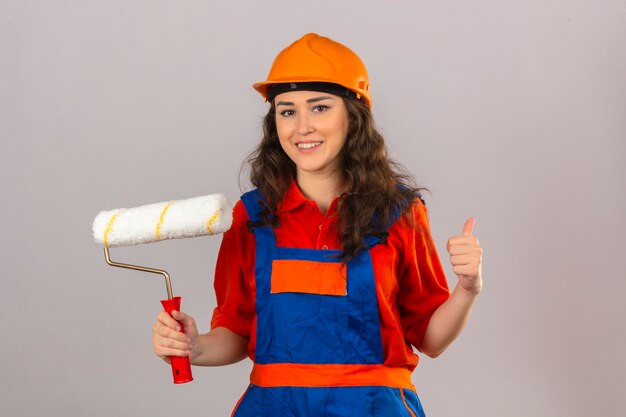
(510, 111)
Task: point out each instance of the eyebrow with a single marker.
(311, 100)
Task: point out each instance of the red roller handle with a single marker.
(181, 368)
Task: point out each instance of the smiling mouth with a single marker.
(308, 145)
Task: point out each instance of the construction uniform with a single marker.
(326, 339)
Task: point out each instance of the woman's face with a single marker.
(312, 128)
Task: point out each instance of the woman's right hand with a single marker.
(167, 338)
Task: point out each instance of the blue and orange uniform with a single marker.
(326, 339)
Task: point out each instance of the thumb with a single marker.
(183, 318)
(468, 227)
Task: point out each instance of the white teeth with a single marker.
(308, 145)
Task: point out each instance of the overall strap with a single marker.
(373, 240)
(263, 228)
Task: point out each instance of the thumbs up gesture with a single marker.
(466, 257)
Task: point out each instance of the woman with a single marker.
(328, 274)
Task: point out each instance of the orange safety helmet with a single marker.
(316, 59)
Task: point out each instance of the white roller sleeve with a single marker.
(198, 216)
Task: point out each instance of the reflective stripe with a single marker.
(304, 276)
(239, 401)
(405, 404)
(310, 375)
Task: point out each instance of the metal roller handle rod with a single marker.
(168, 282)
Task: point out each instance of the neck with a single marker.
(322, 189)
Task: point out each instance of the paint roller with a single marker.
(197, 216)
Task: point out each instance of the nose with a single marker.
(304, 124)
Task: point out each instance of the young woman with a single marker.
(328, 274)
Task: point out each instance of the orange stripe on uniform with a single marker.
(313, 375)
(405, 404)
(310, 277)
(239, 402)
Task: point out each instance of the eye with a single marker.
(287, 113)
(320, 108)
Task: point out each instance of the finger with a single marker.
(164, 352)
(457, 260)
(462, 249)
(466, 270)
(187, 321)
(468, 227)
(181, 317)
(170, 343)
(167, 320)
(165, 332)
(462, 241)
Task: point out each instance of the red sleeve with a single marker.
(234, 277)
(423, 284)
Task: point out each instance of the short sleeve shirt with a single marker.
(410, 282)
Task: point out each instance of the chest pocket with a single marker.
(308, 277)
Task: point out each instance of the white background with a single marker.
(510, 111)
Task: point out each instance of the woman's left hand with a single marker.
(466, 257)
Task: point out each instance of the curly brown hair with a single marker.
(378, 188)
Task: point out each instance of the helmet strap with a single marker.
(335, 89)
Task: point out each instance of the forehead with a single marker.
(303, 96)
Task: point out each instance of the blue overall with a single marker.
(315, 329)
